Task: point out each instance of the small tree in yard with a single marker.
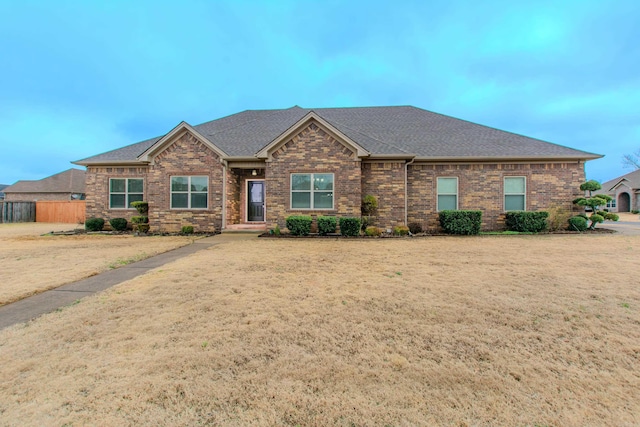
(594, 202)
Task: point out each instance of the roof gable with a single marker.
(177, 132)
(631, 180)
(304, 122)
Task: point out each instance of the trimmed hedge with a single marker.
(140, 219)
(526, 222)
(186, 229)
(578, 223)
(299, 225)
(349, 226)
(327, 224)
(460, 222)
(372, 231)
(118, 224)
(141, 206)
(94, 224)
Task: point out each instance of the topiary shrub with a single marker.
(368, 208)
(400, 230)
(349, 226)
(118, 224)
(372, 231)
(327, 224)
(299, 225)
(526, 222)
(610, 216)
(139, 219)
(186, 229)
(578, 223)
(460, 222)
(94, 224)
(415, 227)
(141, 206)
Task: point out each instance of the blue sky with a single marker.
(78, 78)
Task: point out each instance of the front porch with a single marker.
(246, 201)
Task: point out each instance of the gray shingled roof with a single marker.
(69, 181)
(632, 179)
(402, 130)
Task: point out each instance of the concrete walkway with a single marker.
(46, 302)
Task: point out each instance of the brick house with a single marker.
(67, 185)
(625, 192)
(257, 167)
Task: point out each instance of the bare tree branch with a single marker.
(631, 160)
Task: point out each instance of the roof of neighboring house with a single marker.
(632, 179)
(403, 130)
(69, 181)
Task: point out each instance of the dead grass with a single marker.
(32, 263)
(472, 331)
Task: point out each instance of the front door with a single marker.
(255, 202)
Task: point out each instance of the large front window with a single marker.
(189, 192)
(515, 193)
(447, 194)
(123, 191)
(311, 191)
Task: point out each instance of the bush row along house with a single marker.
(258, 167)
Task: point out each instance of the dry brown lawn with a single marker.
(31, 263)
(468, 331)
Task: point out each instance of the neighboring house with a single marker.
(67, 185)
(261, 166)
(2, 187)
(625, 191)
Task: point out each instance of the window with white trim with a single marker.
(612, 203)
(123, 191)
(312, 191)
(447, 194)
(189, 192)
(515, 190)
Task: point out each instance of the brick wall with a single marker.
(97, 196)
(185, 157)
(385, 181)
(312, 151)
(480, 186)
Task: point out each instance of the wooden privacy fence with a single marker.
(69, 211)
(17, 211)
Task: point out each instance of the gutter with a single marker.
(406, 192)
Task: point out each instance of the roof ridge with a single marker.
(272, 112)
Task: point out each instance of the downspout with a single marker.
(225, 164)
(406, 192)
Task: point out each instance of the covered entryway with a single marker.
(255, 201)
(624, 202)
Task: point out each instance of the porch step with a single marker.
(246, 228)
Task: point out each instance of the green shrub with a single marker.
(141, 207)
(373, 231)
(369, 205)
(327, 224)
(635, 211)
(94, 224)
(276, 230)
(577, 223)
(141, 219)
(187, 229)
(400, 230)
(415, 227)
(118, 224)
(349, 226)
(610, 216)
(299, 225)
(526, 222)
(460, 222)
